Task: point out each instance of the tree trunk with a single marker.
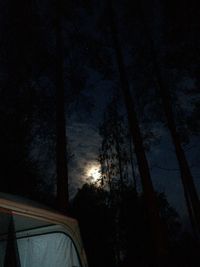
(191, 195)
(132, 163)
(61, 142)
(192, 200)
(118, 150)
(160, 243)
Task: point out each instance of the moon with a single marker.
(93, 171)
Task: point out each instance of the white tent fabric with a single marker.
(43, 236)
(49, 250)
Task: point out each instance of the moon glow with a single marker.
(93, 171)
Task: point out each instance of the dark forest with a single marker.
(100, 120)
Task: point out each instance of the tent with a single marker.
(34, 236)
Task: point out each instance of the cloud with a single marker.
(85, 141)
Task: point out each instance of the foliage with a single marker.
(114, 154)
(97, 218)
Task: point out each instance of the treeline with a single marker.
(113, 214)
(116, 231)
(51, 51)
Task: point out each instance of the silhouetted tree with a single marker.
(97, 219)
(19, 170)
(153, 211)
(61, 143)
(114, 155)
(190, 191)
(115, 161)
(96, 222)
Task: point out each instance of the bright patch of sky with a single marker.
(84, 140)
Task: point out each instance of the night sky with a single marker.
(83, 129)
(100, 120)
(85, 140)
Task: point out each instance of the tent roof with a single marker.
(25, 207)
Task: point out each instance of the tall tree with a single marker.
(19, 171)
(114, 154)
(61, 142)
(151, 202)
(116, 171)
(191, 195)
(186, 175)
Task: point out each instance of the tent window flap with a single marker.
(49, 250)
(40, 245)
